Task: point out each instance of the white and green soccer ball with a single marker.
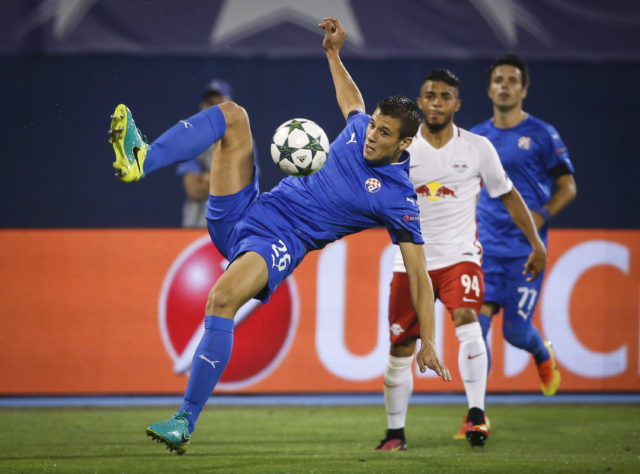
(299, 147)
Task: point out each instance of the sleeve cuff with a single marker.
(546, 215)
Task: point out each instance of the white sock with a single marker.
(398, 385)
(472, 363)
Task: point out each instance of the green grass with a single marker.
(525, 439)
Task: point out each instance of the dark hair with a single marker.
(403, 109)
(511, 60)
(208, 94)
(443, 75)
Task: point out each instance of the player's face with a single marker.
(439, 102)
(383, 144)
(505, 88)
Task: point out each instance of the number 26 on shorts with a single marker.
(280, 256)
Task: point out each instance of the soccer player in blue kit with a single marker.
(535, 158)
(363, 184)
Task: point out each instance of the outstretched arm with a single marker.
(521, 216)
(423, 303)
(566, 191)
(347, 93)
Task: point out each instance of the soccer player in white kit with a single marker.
(448, 167)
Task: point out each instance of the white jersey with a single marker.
(447, 181)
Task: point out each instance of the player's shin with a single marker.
(523, 335)
(398, 386)
(472, 363)
(209, 361)
(187, 139)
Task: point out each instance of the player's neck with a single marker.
(440, 138)
(508, 118)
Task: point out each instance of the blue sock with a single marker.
(209, 362)
(187, 139)
(485, 324)
(526, 336)
(536, 346)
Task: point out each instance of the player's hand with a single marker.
(334, 35)
(428, 358)
(535, 263)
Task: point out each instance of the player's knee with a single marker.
(404, 349)
(489, 309)
(220, 302)
(398, 371)
(234, 114)
(463, 316)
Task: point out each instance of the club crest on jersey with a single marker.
(396, 329)
(459, 166)
(373, 185)
(524, 143)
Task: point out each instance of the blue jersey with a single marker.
(533, 156)
(345, 196)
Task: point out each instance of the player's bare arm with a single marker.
(423, 302)
(347, 93)
(522, 217)
(566, 191)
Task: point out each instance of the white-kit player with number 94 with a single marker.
(448, 167)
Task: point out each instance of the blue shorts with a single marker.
(506, 286)
(241, 223)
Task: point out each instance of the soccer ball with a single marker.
(299, 147)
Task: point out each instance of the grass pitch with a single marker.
(324, 439)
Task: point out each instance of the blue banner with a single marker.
(601, 30)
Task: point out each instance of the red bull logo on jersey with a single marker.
(524, 143)
(373, 185)
(434, 191)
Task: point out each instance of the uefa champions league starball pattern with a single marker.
(299, 147)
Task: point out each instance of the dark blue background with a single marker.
(55, 114)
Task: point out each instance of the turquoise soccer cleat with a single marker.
(128, 145)
(173, 432)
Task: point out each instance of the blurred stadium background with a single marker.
(101, 293)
